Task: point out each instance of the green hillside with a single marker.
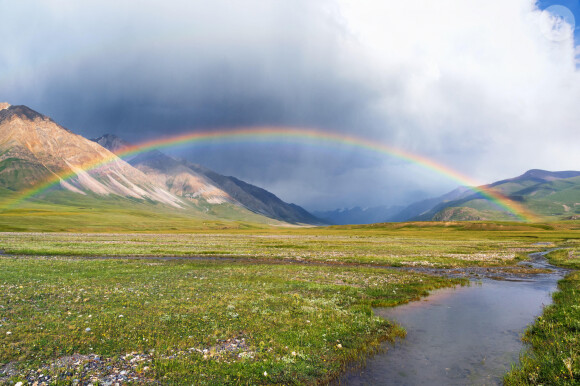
(63, 211)
(551, 196)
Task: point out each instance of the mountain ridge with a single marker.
(548, 194)
(192, 181)
(553, 195)
(34, 148)
(36, 151)
(358, 215)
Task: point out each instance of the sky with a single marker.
(488, 89)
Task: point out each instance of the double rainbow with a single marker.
(288, 134)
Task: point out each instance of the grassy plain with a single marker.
(192, 321)
(291, 305)
(411, 244)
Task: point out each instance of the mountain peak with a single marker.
(21, 111)
(33, 149)
(4, 105)
(112, 142)
(547, 175)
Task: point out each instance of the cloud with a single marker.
(475, 77)
(476, 86)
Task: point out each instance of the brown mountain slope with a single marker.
(195, 182)
(169, 173)
(34, 148)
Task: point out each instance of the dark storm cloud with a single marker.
(429, 82)
(149, 70)
(150, 67)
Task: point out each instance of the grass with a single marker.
(61, 211)
(287, 323)
(554, 339)
(334, 248)
(414, 244)
(291, 305)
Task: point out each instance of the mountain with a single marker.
(549, 195)
(79, 178)
(257, 199)
(421, 208)
(34, 149)
(112, 143)
(358, 215)
(379, 214)
(166, 171)
(195, 182)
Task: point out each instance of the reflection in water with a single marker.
(462, 336)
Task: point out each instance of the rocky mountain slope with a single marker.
(169, 173)
(36, 150)
(195, 182)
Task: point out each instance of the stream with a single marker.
(461, 336)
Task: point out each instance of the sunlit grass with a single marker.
(295, 323)
(435, 246)
(289, 306)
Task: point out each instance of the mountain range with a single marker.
(52, 166)
(195, 182)
(35, 151)
(549, 195)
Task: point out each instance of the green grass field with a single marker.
(62, 211)
(414, 244)
(290, 305)
(297, 324)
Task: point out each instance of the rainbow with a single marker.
(289, 134)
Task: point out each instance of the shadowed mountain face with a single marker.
(195, 182)
(112, 143)
(257, 199)
(390, 214)
(358, 215)
(422, 208)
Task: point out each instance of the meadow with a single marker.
(400, 244)
(262, 306)
(192, 321)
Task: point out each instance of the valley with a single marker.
(121, 264)
(300, 192)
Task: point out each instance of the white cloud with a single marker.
(475, 76)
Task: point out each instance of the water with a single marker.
(460, 336)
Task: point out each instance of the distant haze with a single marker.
(490, 89)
